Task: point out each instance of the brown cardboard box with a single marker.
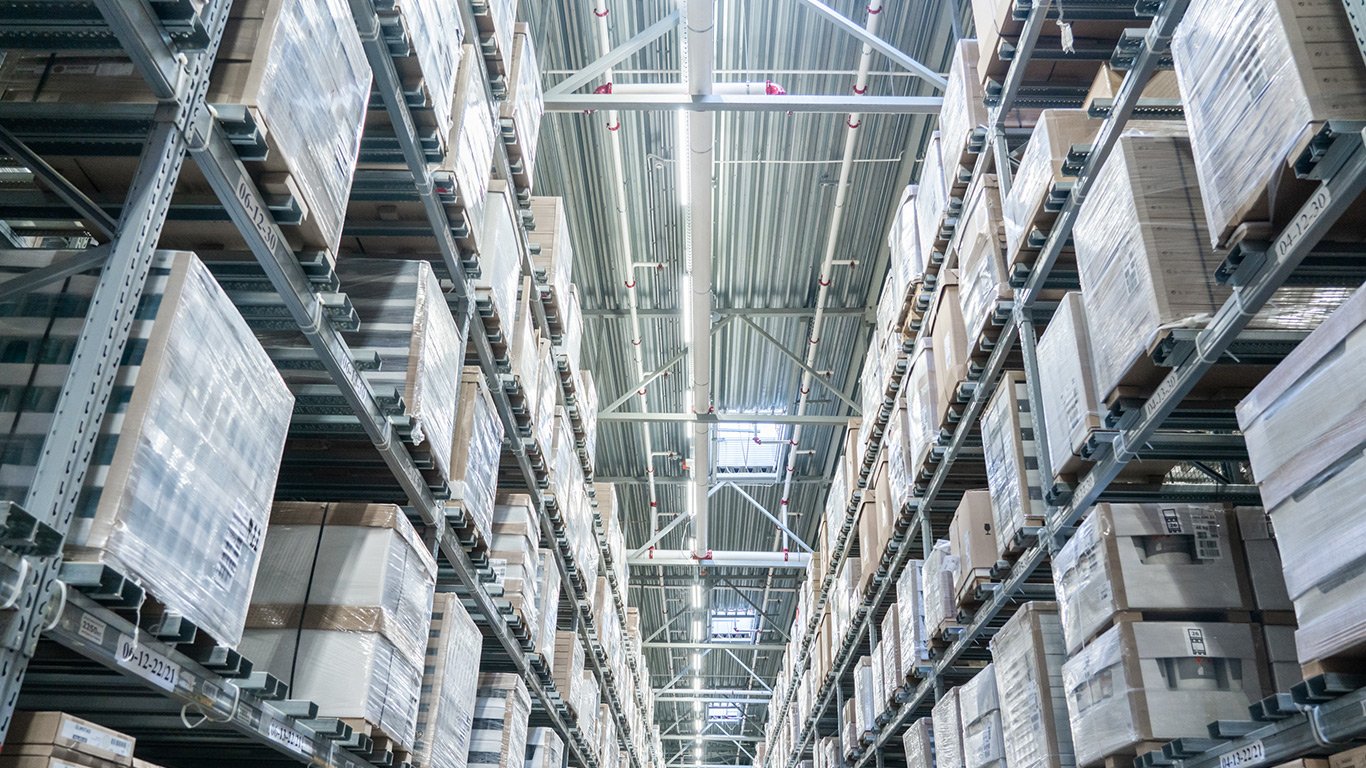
(67, 734)
(17, 756)
(978, 252)
(949, 343)
(1011, 457)
(1352, 758)
(1162, 85)
(1041, 168)
(972, 540)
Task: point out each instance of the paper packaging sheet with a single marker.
(478, 443)
(1158, 681)
(214, 462)
(500, 722)
(1071, 408)
(1011, 457)
(963, 109)
(1258, 76)
(910, 611)
(918, 743)
(1027, 654)
(1146, 557)
(980, 709)
(948, 731)
(978, 248)
(1040, 168)
(445, 714)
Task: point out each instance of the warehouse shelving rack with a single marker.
(147, 677)
(1322, 712)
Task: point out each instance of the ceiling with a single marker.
(775, 180)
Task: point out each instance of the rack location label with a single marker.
(1245, 755)
(147, 663)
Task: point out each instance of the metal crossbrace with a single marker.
(616, 55)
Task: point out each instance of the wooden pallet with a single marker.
(383, 750)
(1208, 615)
(1222, 387)
(1125, 757)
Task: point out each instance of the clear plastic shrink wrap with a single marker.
(865, 707)
(1145, 557)
(921, 393)
(889, 647)
(504, 15)
(937, 583)
(947, 723)
(963, 109)
(979, 246)
(1305, 432)
(1028, 654)
(500, 721)
(548, 592)
(931, 199)
(470, 157)
(312, 92)
(910, 611)
(1257, 77)
(437, 33)
(903, 242)
(588, 399)
(544, 749)
(342, 611)
(445, 713)
(547, 393)
(918, 743)
(894, 443)
(1142, 253)
(514, 555)
(178, 496)
(1012, 462)
(1040, 168)
(949, 344)
(524, 108)
(478, 442)
(553, 256)
(1158, 681)
(405, 322)
(500, 253)
(1071, 408)
(980, 709)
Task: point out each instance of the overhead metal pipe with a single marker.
(677, 557)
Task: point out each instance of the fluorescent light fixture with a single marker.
(685, 292)
(697, 706)
(697, 683)
(697, 725)
(697, 595)
(696, 660)
(682, 158)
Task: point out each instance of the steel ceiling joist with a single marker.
(720, 102)
(686, 646)
(878, 44)
(603, 64)
(729, 418)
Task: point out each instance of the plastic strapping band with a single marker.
(204, 716)
(602, 15)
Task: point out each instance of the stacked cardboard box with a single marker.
(1039, 173)
(1028, 654)
(903, 243)
(552, 252)
(469, 159)
(445, 711)
(947, 723)
(501, 253)
(980, 707)
(500, 722)
(979, 253)
(972, 541)
(949, 345)
(1157, 681)
(587, 695)
(514, 556)
(544, 749)
(1146, 557)
(889, 651)
(962, 113)
(1011, 456)
(57, 739)
(912, 642)
(436, 34)
(1307, 66)
(548, 605)
(918, 743)
(1071, 407)
(1162, 86)
(474, 458)
(521, 111)
(198, 417)
(938, 575)
(920, 393)
(931, 203)
(1304, 431)
(342, 611)
(569, 664)
(865, 706)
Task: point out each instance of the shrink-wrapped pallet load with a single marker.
(1010, 453)
(1027, 655)
(500, 722)
(474, 459)
(445, 712)
(947, 723)
(1039, 172)
(521, 112)
(963, 112)
(979, 249)
(980, 708)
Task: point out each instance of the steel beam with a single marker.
(713, 646)
(772, 518)
(711, 737)
(641, 480)
(95, 217)
(739, 696)
(729, 418)
(878, 44)
(615, 56)
(78, 263)
(720, 102)
(731, 312)
(815, 374)
(682, 557)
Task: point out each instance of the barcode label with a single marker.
(81, 733)
(147, 663)
(1243, 756)
(1206, 537)
(91, 629)
(290, 738)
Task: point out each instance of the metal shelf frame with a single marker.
(186, 127)
(1338, 161)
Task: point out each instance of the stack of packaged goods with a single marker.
(865, 709)
(544, 749)
(215, 465)
(889, 651)
(469, 155)
(1012, 462)
(1028, 654)
(947, 724)
(959, 117)
(937, 582)
(342, 611)
(1129, 584)
(921, 413)
(501, 255)
(548, 604)
(978, 250)
(918, 744)
(949, 346)
(520, 113)
(474, 456)
(514, 556)
(568, 666)
(586, 698)
(931, 205)
(980, 708)
(912, 642)
(445, 712)
(907, 270)
(500, 722)
(435, 32)
(972, 541)
(59, 740)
